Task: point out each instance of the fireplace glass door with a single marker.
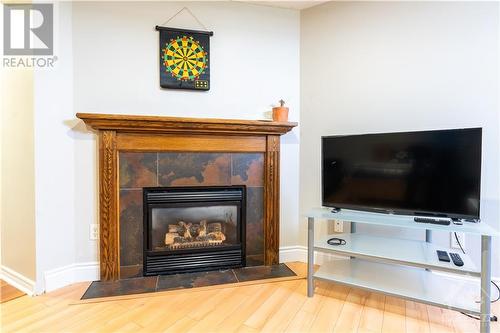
(179, 228)
(193, 228)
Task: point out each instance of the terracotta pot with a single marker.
(280, 113)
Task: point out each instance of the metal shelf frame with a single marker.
(486, 232)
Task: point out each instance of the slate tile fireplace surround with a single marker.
(187, 170)
(141, 156)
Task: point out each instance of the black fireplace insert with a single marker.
(190, 229)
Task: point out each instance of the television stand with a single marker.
(404, 268)
(335, 210)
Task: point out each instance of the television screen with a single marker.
(436, 173)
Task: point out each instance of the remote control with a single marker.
(456, 259)
(443, 256)
(431, 220)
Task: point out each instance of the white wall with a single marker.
(17, 213)
(17, 176)
(108, 63)
(398, 66)
(55, 168)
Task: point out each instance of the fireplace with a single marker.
(193, 228)
(120, 198)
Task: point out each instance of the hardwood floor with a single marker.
(270, 307)
(8, 292)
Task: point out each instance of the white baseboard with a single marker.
(66, 275)
(17, 280)
(89, 271)
(299, 253)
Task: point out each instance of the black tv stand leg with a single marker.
(335, 210)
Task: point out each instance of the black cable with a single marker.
(470, 316)
(458, 242)
(492, 318)
(498, 288)
(336, 241)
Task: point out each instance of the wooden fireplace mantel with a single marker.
(157, 133)
(160, 124)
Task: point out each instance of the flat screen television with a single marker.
(434, 173)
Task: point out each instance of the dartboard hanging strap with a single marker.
(205, 31)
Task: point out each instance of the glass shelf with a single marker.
(401, 221)
(411, 283)
(396, 251)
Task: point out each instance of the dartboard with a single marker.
(184, 58)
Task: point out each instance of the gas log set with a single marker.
(189, 235)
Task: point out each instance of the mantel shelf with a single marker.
(160, 124)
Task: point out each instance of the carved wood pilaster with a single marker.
(272, 201)
(108, 206)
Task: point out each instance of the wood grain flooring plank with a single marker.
(372, 315)
(258, 319)
(394, 315)
(330, 309)
(240, 314)
(8, 292)
(439, 320)
(279, 321)
(350, 316)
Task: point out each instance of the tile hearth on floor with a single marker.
(149, 284)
